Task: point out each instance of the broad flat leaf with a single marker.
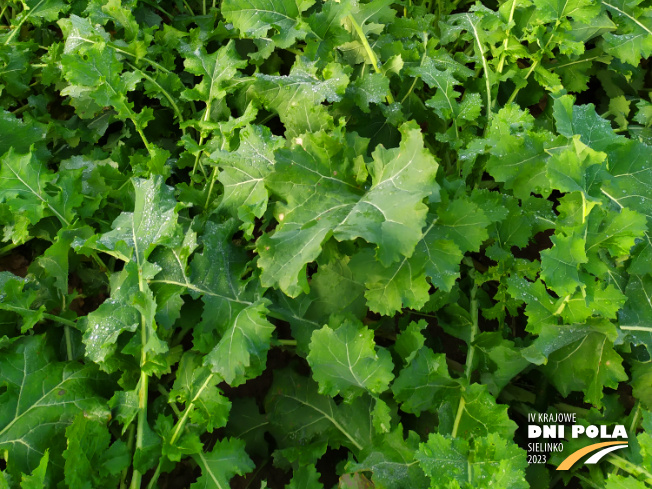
(37, 479)
(103, 11)
(410, 341)
(560, 264)
(195, 385)
(234, 331)
(438, 72)
(437, 256)
(41, 396)
(323, 197)
(335, 288)
(632, 176)
(481, 415)
(462, 222)
(248, 424)
(424, 383)
(38, 11)
(345, 361)
(218, 466)
(153, 222)
(588, 365)
(97, 81)
(243, 174)
(130, 306)
(636, 315)
(633, 38)
(242, 350)
(615, 481)
(390, 288)
(567, 170)
(215, 69)
(594, 131)
(300, 416)
(23, 182)
(580, 10)
(483, 462)
(391, 462)
(90, 456)
(15, 298)
(499, 360)
(540, 307)
(516, 153)
(373, 88)
(618, 232)
(16, 72)
(21, 134)
(305, 477)
(255, 18)
(297, 98)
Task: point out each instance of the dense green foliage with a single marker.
(303, 243)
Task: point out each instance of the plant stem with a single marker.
(136, 478)
(474, 328)
(423, 58)
(501, 63)
(210, 187)
(458, 416)
(179, 426)
(468, 367)
(66, 333)
(130, 446)
(169, 98)
(65, 322)
(630, 467)
(484, 65)
(370, 53)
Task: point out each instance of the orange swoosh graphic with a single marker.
(575, 456)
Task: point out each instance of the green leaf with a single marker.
(479, 414)
(424, 383)
(631, 177)
(243, 174)
(38, 478)
(345, 361)
(328, 200)
(89, 458)
(297, 98)
(19, 300)
(560, 264)
(540, 308)
(299, 415)
(24, 181)
(218, 466)
(594, 131)
(21, 134)
(215, 69)
(633, 38)
(242, 350)
(588, 365)
(305, 477)
(392, 462)
(234, 331)
(153, 222)
(636, 315)
(194, 385)
(410, 341)
(373, 88)
(256, 18)
(40, 399)
(615, 481)
(483, 462)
